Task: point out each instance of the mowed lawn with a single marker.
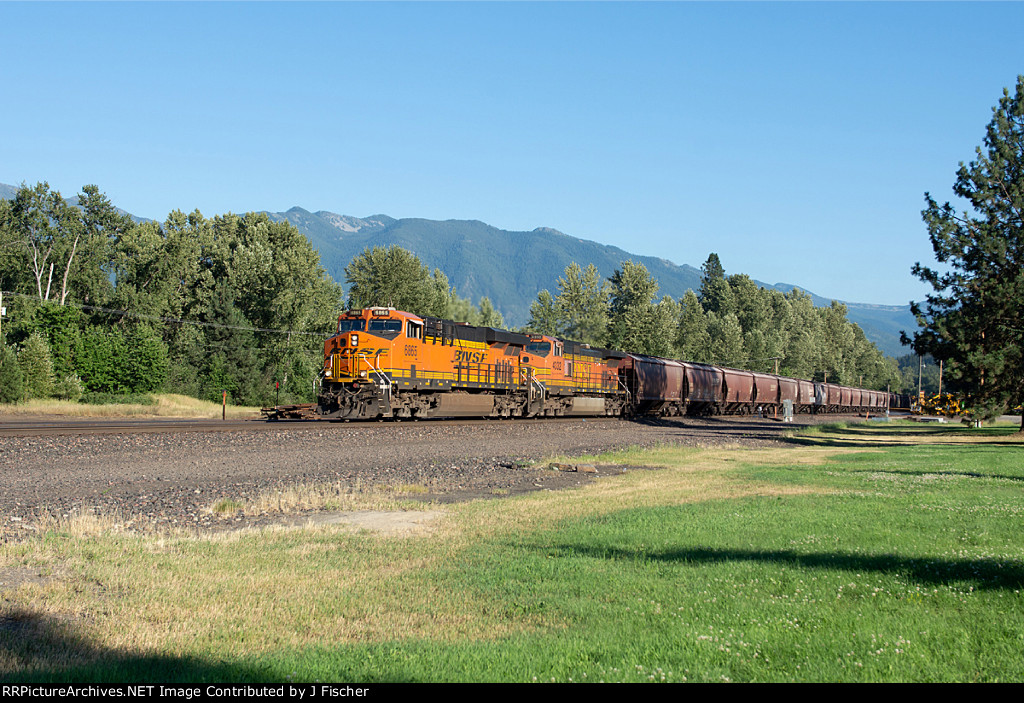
(869, 552)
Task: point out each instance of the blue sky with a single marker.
(796, 140)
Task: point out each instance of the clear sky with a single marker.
(796, 140)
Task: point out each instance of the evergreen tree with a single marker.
(583, 304)
(36, 366)
(975, 318)
(711, 270)
(715, 294)
(489, 317)
(233, 362)
(11, 378)
(544, 315)
(693, 340)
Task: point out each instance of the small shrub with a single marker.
(68, 388)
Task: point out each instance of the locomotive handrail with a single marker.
(625, 389)
(385, 382)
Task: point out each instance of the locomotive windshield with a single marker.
(357, 325)
(539, 348)
(385, 326)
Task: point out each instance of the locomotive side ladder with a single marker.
(385, 385)
(535, 392)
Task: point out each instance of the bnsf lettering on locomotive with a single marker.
(470, 357)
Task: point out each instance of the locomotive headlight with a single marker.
(355, 340)
(362, 374)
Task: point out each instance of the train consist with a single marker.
(384, 363)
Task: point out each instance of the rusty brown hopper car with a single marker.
(737, 391)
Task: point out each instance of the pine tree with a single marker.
(583, 304)
(692, 340)
(36, 366)
(489, 317)
(544, 317)
(11, 378)
(975, 318)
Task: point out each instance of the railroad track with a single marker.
(48, 428)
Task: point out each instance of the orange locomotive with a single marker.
(386, 363)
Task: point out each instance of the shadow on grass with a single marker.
(908, 437)
(35, 648)
(959, 474)
(985, 574)
(729, 427)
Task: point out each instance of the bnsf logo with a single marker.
(470, 357)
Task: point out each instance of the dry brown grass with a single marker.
(167, 405)
(322, 496)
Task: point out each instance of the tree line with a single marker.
(730, 321)
(99, 305)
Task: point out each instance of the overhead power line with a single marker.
(157, 318)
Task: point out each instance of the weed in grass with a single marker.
(227, 506)
(409, 488)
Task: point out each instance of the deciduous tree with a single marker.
(393, 276)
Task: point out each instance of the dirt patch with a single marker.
(386, 522)
(12, 577)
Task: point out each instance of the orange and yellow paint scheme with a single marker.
(384, 362)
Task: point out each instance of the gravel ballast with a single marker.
(173, 479)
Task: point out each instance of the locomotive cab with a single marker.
(364, 341)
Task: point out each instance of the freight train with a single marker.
(385, 363)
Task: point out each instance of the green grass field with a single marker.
(871, 552)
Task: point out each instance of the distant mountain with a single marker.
(511, 267)
(479, 260)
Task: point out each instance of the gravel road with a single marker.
(173, 478)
